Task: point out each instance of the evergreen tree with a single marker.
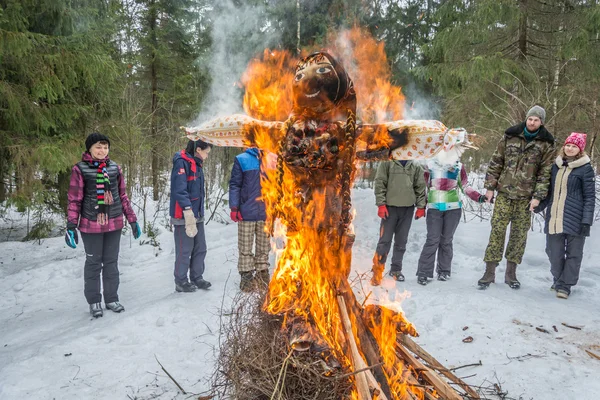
(493, 59)
(57, 81)
(167, 68)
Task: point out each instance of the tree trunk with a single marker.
(594, 129)
(523, 30)
(557, 68)
(298, 31)
(63, 180)
(4, 165)
(153, 16)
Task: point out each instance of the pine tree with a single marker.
(57, 81)
(168, 70)
(493, 59)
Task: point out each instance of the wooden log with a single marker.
(445, 390)
(369, 345)
(429, 359)
(362, 384)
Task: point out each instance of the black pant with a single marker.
(565, 253)
(395, 226)
(101, 256)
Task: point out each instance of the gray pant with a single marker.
(189, 254)
(395, 226)
(441, 226)
(101, 257)
(565, 253)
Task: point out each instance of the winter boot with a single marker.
(262, 278)
(562, 294)
(489, 276)
(397, 275)
(377, 269)
(246, 281)
(443, 276)
(96, 310)
(510, 276)
(422, 280)
(115, 306)
(185, 287)
(202, 284)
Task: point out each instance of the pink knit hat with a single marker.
(578, 139)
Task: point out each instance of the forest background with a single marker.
(137, 70)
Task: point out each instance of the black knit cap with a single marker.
(95, 138)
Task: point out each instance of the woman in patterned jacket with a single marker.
(97, 201)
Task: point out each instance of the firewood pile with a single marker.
(259, 360)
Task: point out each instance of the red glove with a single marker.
(235, 215)
(382, 211)
(420, 213)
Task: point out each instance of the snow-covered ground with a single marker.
(50, 348)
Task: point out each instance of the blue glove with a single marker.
(135, 228)
(71, 238)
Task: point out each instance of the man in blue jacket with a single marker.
(248, 210)
(187, 216)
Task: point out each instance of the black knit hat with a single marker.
(95, 138)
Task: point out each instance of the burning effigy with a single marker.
(312, 338)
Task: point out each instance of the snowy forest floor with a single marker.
(50, 347)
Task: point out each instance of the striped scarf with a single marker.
(103, 193)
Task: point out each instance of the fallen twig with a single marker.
(466, 366)
(169, 375)
(593, 355)
(525, 357)
(572, 326)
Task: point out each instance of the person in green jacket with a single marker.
(399, 187)
(519, 172)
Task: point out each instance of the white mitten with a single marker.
(190, 223)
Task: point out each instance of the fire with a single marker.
(315, 263)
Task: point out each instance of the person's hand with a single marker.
(190, 223)
(135, 229)
(71, 238)
(235, 214)
(382, 211)
(533, 204)
(102, 219)
(482, 199)
(490, 196)
(585, 230)
(420, 213)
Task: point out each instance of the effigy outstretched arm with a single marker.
(237, 130)
(407, 140)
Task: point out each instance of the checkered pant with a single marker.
(248, 231)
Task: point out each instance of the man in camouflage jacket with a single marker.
(519, 172)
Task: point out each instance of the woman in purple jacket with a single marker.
(97, 202)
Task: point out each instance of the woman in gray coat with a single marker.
(569, 212)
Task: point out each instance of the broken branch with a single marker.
(169, 375)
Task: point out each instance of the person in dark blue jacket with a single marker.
(248, 210)
(569, 212)
(187, 216)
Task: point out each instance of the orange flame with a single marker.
(316, 260)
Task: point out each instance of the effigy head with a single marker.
(321, 85)
(456, 141)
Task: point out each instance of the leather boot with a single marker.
(510, 276)
(490, 274)
(262, 278)
(247, 281)
(377, 269)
